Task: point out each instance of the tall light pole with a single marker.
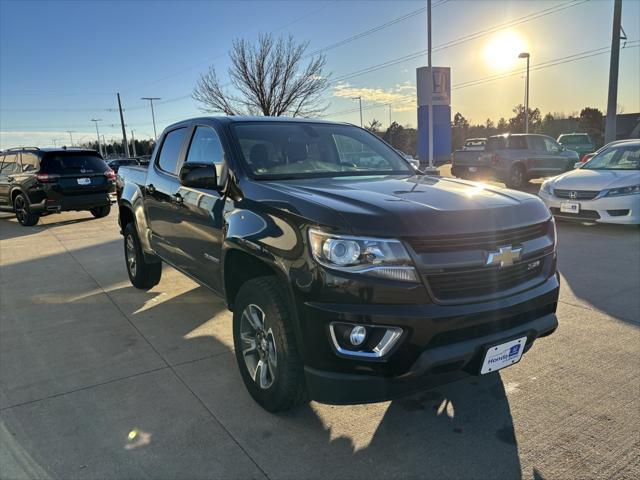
(359, 98)
(526, 93)
(153, 116)
(70, 136)
(96, 120)
(612, 99)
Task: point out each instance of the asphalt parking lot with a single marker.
(100, 380)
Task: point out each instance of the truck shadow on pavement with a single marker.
(104, 363)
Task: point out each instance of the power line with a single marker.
(372, 30)
(480, 81)
(460, 40)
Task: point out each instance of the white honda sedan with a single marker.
(605, 189)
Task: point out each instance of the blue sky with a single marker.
(62, 62)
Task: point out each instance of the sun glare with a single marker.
(501, 52)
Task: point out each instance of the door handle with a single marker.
(151, 189)
(177, 199)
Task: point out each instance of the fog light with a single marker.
(357, 335)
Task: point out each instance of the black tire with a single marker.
(23, 212)
(286, 375)
(517, 177)
(100, 212)
(142, 274)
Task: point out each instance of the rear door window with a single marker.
(72, 163)
(168, 158)
(518, 143)
(537, 144)
(29, 162)
(496, 143)
(10, 164)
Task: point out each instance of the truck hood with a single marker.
(583, 179)
(409, 206)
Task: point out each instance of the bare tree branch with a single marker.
(268, 78)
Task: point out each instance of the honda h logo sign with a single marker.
(573, 195)
(504, 257)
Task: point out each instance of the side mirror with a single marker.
(578, 165)
(199, 175)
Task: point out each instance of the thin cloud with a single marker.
(398, 96)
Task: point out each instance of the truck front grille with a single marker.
(478, 282)
(478, 241)
(577, 194)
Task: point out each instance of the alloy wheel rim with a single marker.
(258, 347)
(21, 211)
(517, 176)
(131, 256)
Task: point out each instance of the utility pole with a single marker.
(526, 92)
(125, 145)
(96, 120)
(133, 144)
(54, 142)
(70, 136)
(612, 101)
(360, 101)
(153, 116)
(104, 142)
(389, 129)
(431, 169)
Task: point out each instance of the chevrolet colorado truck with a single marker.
(351, 278)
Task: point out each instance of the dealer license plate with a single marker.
(503, 355)
(473, 169)
(570, 207)
(84, 181)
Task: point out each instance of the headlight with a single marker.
(369, 256)
(631, 190)
(546, 187)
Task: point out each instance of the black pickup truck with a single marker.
(350, 277)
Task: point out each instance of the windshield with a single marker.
(574, 139)
(282, 150)
(623, 157)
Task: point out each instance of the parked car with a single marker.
(474, 144)
(351, 279)
(516, 158)
(116, 164)
(415, 163)
(606, 189)
(39, 181)
(463, 160)
(580, 143)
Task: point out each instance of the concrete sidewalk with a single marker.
(100, 380)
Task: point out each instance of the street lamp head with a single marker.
(524, 55)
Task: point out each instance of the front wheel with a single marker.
(100, 212)
(23, 211)
(265, 345)
(142, 274)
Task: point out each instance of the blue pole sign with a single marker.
(441, 98)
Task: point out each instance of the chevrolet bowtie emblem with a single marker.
(505, 256)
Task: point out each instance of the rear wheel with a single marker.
(142, 274)
(100, 212)
(23, 211)
(517, 177)
(265, 345)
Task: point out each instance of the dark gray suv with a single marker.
(516, 158)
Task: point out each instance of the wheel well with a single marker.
(239, 267)
(14, 194)
(126, 217)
